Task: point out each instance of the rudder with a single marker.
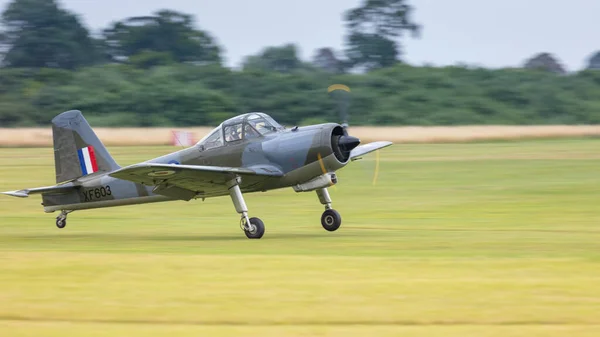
(77, 150)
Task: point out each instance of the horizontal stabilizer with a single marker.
(368, 148)
(41, 190)
(18, 194)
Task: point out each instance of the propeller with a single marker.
(376, 173)
(341, 93)
(323, 166)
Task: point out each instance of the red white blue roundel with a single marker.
(163, 173)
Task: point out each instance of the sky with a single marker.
(487, 33)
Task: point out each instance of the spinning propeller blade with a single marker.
(341, 93)
(376, 174)
(323, 165)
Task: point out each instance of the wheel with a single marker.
(331, 220)
(257, 229)
(61, 222)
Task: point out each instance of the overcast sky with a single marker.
(484, 32)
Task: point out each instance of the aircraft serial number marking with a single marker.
(97, 193)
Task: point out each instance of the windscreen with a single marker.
(261, 124)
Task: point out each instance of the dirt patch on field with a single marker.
(408, 134)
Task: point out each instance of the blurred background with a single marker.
(450, 233)
(195, 63)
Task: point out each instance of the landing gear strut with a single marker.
(61, 220)
(254, 228)
(331, 220)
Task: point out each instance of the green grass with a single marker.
(482, 239)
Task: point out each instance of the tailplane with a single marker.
(78, 151)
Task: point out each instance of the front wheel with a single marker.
(256, 230)
(331, 220)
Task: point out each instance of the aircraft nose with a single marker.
(347, 143)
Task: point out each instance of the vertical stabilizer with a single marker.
(77, 150)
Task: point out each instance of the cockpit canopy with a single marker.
(246, 126)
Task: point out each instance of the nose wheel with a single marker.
(331, 220)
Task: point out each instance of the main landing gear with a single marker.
(254, 228)
(61, 220)
(331, 220)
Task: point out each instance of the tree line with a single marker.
(161, 70)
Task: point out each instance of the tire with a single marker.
(61, 223)
(331, 220)
(259, 229)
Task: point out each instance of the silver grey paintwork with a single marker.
(272, 158)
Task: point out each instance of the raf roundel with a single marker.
(164, 173)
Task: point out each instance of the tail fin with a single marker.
(77, 150)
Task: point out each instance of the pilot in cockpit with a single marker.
(233, 135)
(249, 132)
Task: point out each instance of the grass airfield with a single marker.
(479, 239)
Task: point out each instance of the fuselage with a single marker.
(300, 153)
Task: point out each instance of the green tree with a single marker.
(150, 94)
(374, 29)
(148, 59)
(594, 61)
(325, 59)
(546, 62)
(280, 59)
(38, 33)
(164, 32)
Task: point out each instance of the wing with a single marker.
(361, 150)
(188, 181)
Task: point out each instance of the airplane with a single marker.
(244, 154)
